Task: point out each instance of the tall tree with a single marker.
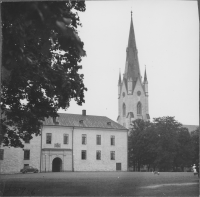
(167, 130)
(141, 144)
(184, 151)
(41, 59)
(195, 144)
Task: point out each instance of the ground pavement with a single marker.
(100, 184)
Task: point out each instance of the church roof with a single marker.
(84, 121)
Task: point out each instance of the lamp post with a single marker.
(45, 162)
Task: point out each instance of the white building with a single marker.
(72, 142)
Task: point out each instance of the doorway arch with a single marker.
(57, 165)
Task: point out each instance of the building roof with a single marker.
(83, 121)
(191, 127)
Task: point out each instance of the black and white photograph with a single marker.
(99, 98)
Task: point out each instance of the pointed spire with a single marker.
(131, 40)
(132, 68)
(145, 75)
(119, 83)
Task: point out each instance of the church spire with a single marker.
(131, 39)
(145, 76)
(119, 82)
(132, 69)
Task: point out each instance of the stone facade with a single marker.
(57, 149)
(13, 159)
(91, 147)
(62, 151)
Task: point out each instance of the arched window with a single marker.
(124, 109)
(139, 108)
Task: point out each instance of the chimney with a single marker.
(84, 112)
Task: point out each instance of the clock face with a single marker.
(138, 93)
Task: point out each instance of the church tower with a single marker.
(132, 92)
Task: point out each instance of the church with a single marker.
(132, 91)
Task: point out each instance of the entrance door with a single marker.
(57, 165)
(118, 166)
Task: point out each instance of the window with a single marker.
(112, 155)
(48, 138)
(26, 154)
(65, 139)
(83, 154)
(112, 140)
(98, 155)
(83, 138)
(139, 108)
(1, 154)
(98, 140)
(124, 109)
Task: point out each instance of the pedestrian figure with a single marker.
(156, 172)
(194, 169)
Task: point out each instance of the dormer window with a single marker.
(81, 121)
(109, 123)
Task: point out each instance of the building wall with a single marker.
(131, 101)
(105, 164)
(50, 152)
(14, 157)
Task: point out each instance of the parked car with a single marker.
(29, 169)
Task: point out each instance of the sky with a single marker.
(167, 39)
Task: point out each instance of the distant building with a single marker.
(133, 102)
(72, 142)
(191, 127)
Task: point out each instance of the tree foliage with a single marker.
(163, 144)
(166, 129)
(142, 139)
(41, 57)
(195, 143)
(184, 149)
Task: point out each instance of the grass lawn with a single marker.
(100, 184)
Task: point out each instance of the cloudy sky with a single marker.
(167, 38)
